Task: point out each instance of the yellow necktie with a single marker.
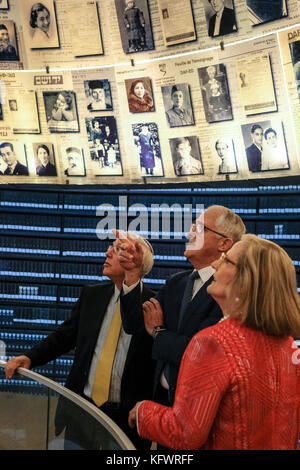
(101, 384)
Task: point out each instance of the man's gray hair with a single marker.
(148, 253)
(229, 223)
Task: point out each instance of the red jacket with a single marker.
(237, 389)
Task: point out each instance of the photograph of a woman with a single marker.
(147, 143)
(139, 94)
(44, 158)
(42, 32)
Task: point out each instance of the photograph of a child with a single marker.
(134, 25)
(61, 111)
(98, 95)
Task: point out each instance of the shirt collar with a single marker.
(206, 273)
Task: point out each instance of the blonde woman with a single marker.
(239, 381)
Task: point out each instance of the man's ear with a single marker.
(224, 244)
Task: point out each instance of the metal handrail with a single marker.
(91, 409)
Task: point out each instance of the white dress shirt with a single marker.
(120, 356)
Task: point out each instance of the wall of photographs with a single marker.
(158, 91)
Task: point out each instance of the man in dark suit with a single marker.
(14, 167)
(223, 21)
(86, 330)
(254, 151)
(168, 318)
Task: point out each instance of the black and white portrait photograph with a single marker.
(104, 146)
(225, 156)
(265, 146)
(139, 95)
(13, 159)
(44, 159)
(178, 105)
(134, 25)
(215, 93)
(295, 56)
(260, 12)
(61, 111)
(8, 42)
(4, 5)
(73, 161)
(220, 17)
(186, 156)
(98, 95)
(148, 152)
(40, 24)
(13, 105)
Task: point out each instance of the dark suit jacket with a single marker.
(19, 170)
(227, 23)
(81, 331)
(254, 158)
(169, 346)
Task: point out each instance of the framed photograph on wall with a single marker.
(178, 105)
(226, 24)
(269, 10)
(265, 146)
(215, 93)
(148, 152)
(134, 25)
(8, 42)
(39, 24)
(177, 21)
(104, 146)
(85, 35)
(256, 84)
(73, 161)
(186, 156)
(44, 159)
(223, 149)
(14, 159)
(61, 111)
(98, 95)
(23, 103)
(139, 95)
(295, 56)
(4, 5)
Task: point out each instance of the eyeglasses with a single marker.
(225, 258)
(199, 227)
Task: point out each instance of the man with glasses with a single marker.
(86, 330)
(182, 306)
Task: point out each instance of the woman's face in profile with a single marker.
(139, 90)
(225, 270)
(43, 156)
(43, 20)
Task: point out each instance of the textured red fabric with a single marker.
(237, 389)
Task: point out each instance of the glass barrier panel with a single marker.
(39, 414)
(71, 427)
(24, 414)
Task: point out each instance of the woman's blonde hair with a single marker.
(266, 285)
